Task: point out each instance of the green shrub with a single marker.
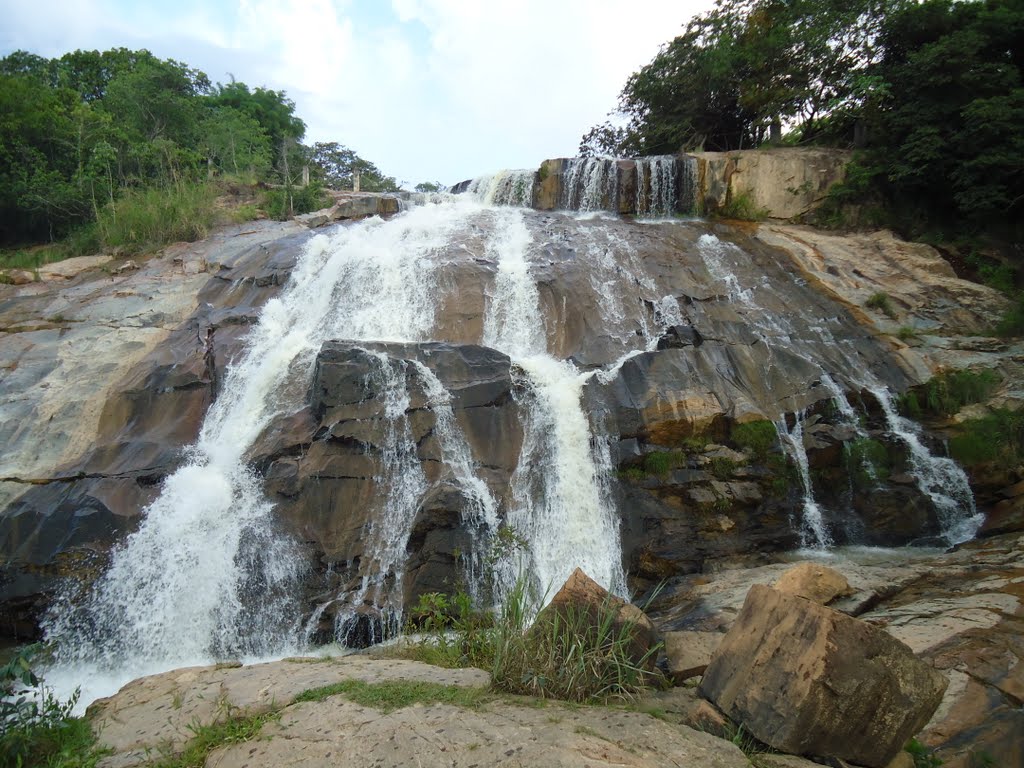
(150, 218)
(922, 756)
(742, 206)
(303, 200)
(1012, 322)
(996, 436)
(882, 303)
(948, 392)
(38, 729)
(755, 437)
(906, 333)
(722, 467)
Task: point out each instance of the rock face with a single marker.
(784, 183)
(689, 653)
(849, 690)
(683, 332)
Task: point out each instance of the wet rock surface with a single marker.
(109, 375)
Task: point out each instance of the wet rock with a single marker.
(809, 680)
(816, 582)
(678, 336)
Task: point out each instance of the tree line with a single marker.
(929, 93)
(80, 131)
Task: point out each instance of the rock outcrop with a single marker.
(812, 681)
(157, 713)
(817, 583)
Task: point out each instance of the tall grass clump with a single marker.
(997, 436)
(574, 653)
(756, 437)
(147, 219)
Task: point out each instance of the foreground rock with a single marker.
(809, 680)
(816, 582)
(959, 611)
(153, 715)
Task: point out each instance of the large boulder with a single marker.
(814, 581)
(809, 680)
(689, 653)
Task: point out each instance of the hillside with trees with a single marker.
(93, 141)
(931, 94)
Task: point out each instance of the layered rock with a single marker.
(809, 680)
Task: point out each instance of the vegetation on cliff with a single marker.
(90, 138)
(932, 93)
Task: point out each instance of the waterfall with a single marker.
(590, 184)
(401, 475)
(504, 188)
(656, 185)
(183, 588)
(559, 507)
(938, 477)
(813, 530)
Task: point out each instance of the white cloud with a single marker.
(427, 89)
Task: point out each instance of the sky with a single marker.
(428, 90)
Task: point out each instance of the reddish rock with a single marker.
(809, 680)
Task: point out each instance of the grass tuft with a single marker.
(398, 694)
(147, 219)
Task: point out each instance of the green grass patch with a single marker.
(755, 437)
(662, 462)
(998, 436)
(148, 219)
(906, 333)
(881, 302)
(206, 738)
(742, 206)
(947, 393)
(571, 653)
(398, 694)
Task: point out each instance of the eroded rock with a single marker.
(847, 689)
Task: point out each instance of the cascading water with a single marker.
(504, 188)
(656, 185)
(938, 477)
(207, 575)
(558, 505)
(176, 590)
(590, 184)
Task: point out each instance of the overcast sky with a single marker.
(429, 90)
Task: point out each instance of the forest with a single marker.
(92, 134)
(929, 94)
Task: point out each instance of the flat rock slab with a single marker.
(152, 716)
(156, 712)
(337, 732)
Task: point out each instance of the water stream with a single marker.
(208, 574)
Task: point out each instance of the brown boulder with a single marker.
(581, 594)
(809, 680)
(689, 653)
(816, 582)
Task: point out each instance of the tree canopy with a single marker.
(77, 131)
(930, 91)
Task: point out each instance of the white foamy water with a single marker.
(207, 575)
(559, 506)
